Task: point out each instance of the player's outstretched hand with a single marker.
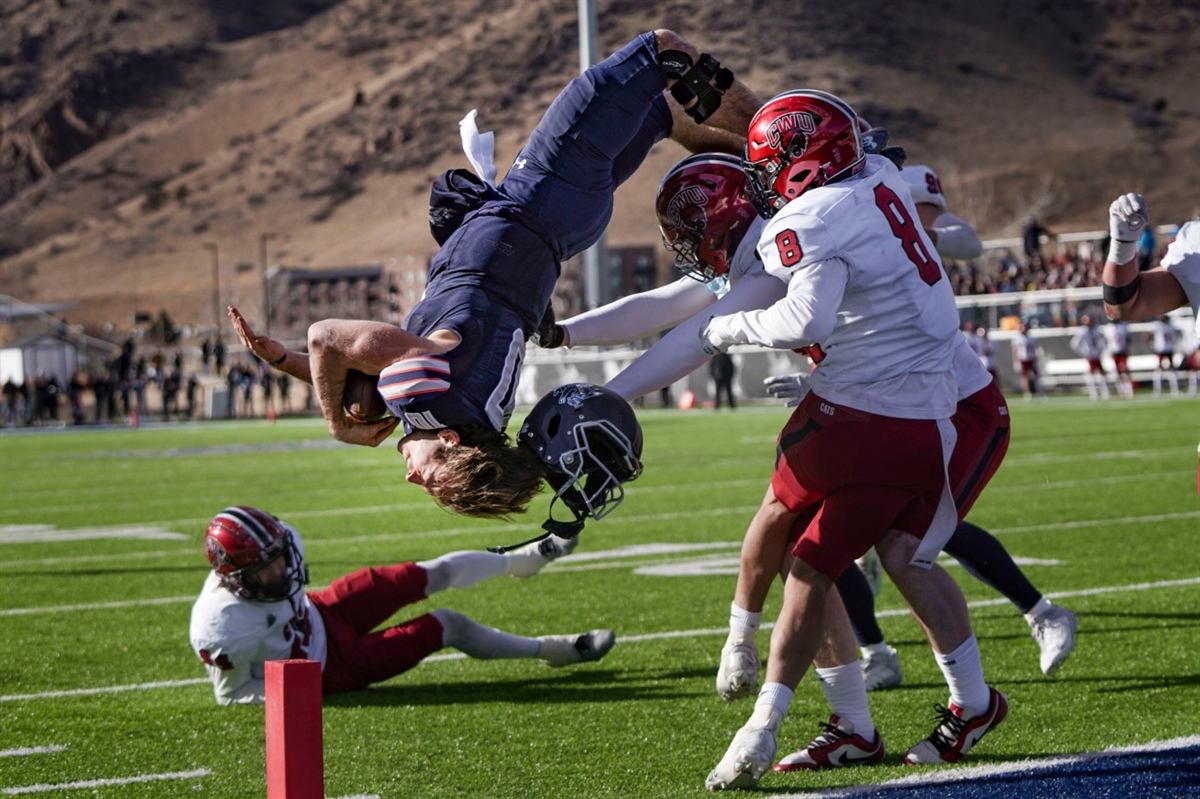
(791, 387)
(1128, 217)
(366, 434)
(264, 347)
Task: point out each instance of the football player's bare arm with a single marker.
(725, 130)
(338, 345)
(268, 349)
(1157, 293)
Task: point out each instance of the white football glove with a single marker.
(710, 341)
(791, 387)
(1127, 217)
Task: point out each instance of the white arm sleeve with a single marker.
(639, 315)
(956, 238)
(680, 352)
(243, 684)
(804, 317)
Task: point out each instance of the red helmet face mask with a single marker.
(800, 140)
(703, 213)
(242, 543)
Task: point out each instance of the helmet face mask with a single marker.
(242, 542)
(797, 141)
(703, 213)
(589, 442)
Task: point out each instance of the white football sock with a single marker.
(743, 624)
(846, 692)
(480, 641)
(964, 675)
(462, 570)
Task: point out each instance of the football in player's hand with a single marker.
(361, 400)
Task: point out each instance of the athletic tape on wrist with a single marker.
(1121, 252)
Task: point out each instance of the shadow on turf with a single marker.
(585, 685)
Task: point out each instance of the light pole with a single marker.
(263, 238)
(216, 281)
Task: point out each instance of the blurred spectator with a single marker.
(102, 392)
(722, 370)
(1032, 236)
(1145, 248)
(284, 383)
(11, 393)
(1089, 344)
(192, 386)
(75, 387)
(1117, 340)
(1163, 338)
(1025, 359)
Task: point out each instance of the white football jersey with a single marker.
(1183, 261)
(235, 637)
(867, 297)
(1165, 336)
(1117, 336)
(1024, 348)
(1089, 342)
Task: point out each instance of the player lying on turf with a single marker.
(450, 373)
(253, 608)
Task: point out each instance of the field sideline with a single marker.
(100, 694)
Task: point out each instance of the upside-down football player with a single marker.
(450, 373)
(253, 608)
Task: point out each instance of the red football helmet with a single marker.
(800, 140)
(703, 213)
(241, 541)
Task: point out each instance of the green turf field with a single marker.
(98, 683)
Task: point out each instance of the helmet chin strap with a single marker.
(552, 526)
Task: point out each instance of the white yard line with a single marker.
(62, 786)
(963, 773)
(623, 638)
(31, 750)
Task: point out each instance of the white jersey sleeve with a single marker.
(680, 352)
(1183, 262)
(956, 238)
(639, 315)
(802, 318)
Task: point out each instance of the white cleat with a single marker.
(567, 650)
(749, 756)
(530, 559)
(737, 676)
(881, 670)
(1054, 632)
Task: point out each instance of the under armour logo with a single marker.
(520, 163)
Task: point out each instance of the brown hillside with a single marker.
(132, 132)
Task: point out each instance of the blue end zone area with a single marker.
(1165, 770)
